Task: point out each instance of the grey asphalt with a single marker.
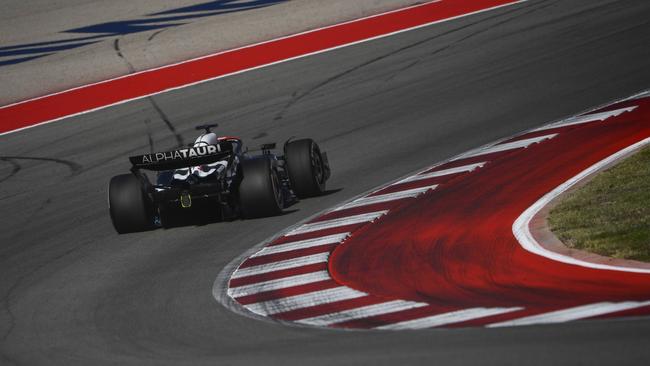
(76, 293)
(47, 46)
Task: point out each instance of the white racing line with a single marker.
(521, 226)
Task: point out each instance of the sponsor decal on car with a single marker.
(191, 152)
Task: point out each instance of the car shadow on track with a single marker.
(207, 215)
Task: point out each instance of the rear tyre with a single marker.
(259, 190)
(305, 167)
(130, 208)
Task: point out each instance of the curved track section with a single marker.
(436, 248)
(74, 292)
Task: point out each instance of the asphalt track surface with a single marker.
(74, 292)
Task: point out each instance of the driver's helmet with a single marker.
(202, 171)
(209, 138)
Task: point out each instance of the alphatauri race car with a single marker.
(219, 176)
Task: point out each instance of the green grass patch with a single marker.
(610, 215)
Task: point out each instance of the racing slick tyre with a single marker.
(130, 208)
(259, 190)
(305, 167)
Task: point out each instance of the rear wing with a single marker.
(182, 158)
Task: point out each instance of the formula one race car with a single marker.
(217, 174)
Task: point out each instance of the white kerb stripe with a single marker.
(440, 173)
(364, 201)
(306, 300)
(587, 118)
(302, 244)
(279, 283)
(508, 146)
(280, 265)
(343, 221)
(447, 318)
(579, 312)
(362, 312)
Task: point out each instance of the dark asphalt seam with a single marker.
(147, 121)
(603, 8)
(473, 34)
(296, 98)
(156, 107)
(561, 50)
(74, 167)
(116, 46)
(170, 126)
(154, 35)
(15, 168)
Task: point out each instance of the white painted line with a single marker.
(587, 118)
(370, 39)
(521, 226)
(508, 146)
(579, 312)
(362, 312)
(306, 300)
(447, 318)
(440, 173)
(343, 221)
(302, 244)
(643, 94)
(364, 201)
(280, 265)
(277, 284)
(227, 51)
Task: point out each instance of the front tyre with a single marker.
(305, 167)
(259, 190)
(130, 208)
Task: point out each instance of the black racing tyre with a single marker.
(305, 167)
(259, 190)
(131, 210)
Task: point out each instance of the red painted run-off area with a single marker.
(454, 246)
(103, 94)
(438, 248)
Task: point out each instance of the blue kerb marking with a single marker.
(102, 31)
